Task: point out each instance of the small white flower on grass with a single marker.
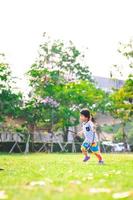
(118, 172)
(42, 169)
(70, 171)
(3, 195)
(90, 174)
(75, 182)
(122, 195)
(102, 180)
(99, 190)
(88, 177)
(37, 183)
(106, 174)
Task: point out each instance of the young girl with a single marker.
(90, 141)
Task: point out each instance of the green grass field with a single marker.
(64, 176)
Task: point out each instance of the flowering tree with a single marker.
(62, 83)
(51, 102)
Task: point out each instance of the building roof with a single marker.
(108, 83)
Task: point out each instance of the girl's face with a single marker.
(83, 118)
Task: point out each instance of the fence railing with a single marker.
(49, 147)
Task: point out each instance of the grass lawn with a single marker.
(64, 176)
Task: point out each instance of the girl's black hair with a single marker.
(93, 119)
(86, 113)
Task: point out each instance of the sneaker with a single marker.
(86, 158)
(101, 162)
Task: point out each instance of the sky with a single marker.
(98, 25)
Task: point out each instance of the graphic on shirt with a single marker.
(88, 128)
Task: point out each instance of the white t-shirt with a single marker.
(89, 132)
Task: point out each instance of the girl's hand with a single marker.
(80, 133)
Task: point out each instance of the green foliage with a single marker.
(33, 112)
(121, 102)
(121, 107)
(10, 102)
(5, 74)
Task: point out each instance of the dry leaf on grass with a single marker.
(3, 195)
(59, 189)
(87, 178)
(75, 182)
(90, 174)
(70, 171)
(99, 190)
(122, 195)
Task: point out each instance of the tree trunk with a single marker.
(65, 131)
(98, 131)
(124, 136)
(31, 130)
